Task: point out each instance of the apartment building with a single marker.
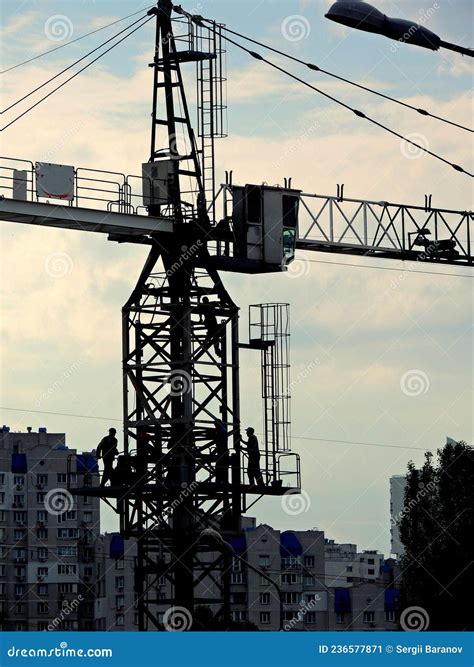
(47, 536)
(346, 566)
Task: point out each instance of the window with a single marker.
(264, 617)
(370, 561)
(390, 616)
(61, 478)
(119, 601)
(119, 619)
(119, 582)
(239, 616)
(40, 496)
(42, 607)
(2, 515)
(291, 562)
(264, 560)
(369, 616)
(18, 500)
(236, 565)
(68, 568)
(42, 480)
(288, 615)
(291, 578)
(42, 516)
(87, 517)
(68, 533)
(349, 579)
(18, 534)
(19, 608)
(18, 479)
(67, 588)
(19, 517)
(42, 553)
(43, 590)
(340, 617)
(291, 598)
(2, 570)
(2, 497)
(349, 568)
(264, 598)
(239, 598)
(308, 580)
(237, 578)
(310, 618)
(67, 551)
(264, 581)
(2, 478)
(42, 533)
(308, 561)
(42, 626)
(19, 590)
(42, 571)
(119, 566)
(371, 571)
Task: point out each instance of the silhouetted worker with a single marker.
(210, 322)
(253, 468)
(107, 451)
(221, 453)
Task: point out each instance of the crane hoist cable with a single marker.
(316, 68)
(357, 112)
(75, 74)
(72, 41)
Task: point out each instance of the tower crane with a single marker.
(180, 336)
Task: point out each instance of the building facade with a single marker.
(47, 537)
(345, 566)
(397, 496)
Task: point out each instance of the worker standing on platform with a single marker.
(253, 468)
(107, 450)
(210, 322)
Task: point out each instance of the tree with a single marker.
(437, 531)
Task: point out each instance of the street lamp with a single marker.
(362, 16)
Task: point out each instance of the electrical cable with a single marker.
(74, 75)
(72, 41)
(295, 437)
(42, 85)
(358, 113)
(316, 68)
(387, 268)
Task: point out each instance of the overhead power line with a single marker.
(66, 69)
(72, 41)
(316, 68)
(76, 74)
(295, 437)
(359, 114)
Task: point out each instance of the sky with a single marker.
(379, 355)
